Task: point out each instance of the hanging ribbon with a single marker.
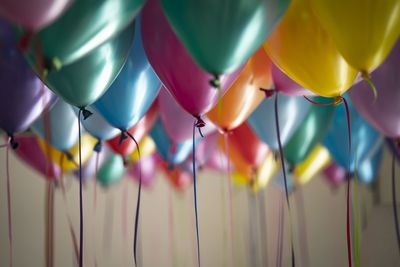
(303, 227)
(263, 226)
(9, 213)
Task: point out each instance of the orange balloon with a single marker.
(244, 95)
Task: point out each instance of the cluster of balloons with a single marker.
(187, 63)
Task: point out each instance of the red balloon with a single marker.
(138, 131)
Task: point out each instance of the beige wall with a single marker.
(161, 246)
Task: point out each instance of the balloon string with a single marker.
(138, 198)
(10, 226)
(50, 225)
(278, 134)
(80, 193)
(230, 203)
(367, 79)
(263, 225)
(124, 219)
(171, 227)
(196, 124)
(303, 226)
(356, 213)
(95, 207)
(280, 235)
(394, 200)
(335, 102)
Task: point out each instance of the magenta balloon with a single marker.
(185, 80)
(149, 168)
(33, 14)
(382, 112)
(287, 86)
(23, 97)
(335, 174)
(30, 152)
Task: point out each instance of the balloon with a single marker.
(34, 14)
(133, 91)
(186, 81)
(382, 112)
(138, 131)
(314, 163)
(311, 131)
(97, 126)
(244, 95)
(173, 153)
(177, 177)
(61, 123)
(86, 25)
(60, 158)
(365, 31)
(368, 169)
(291, 111)
(23, 96)
(92, 165)
(285, 85)
(335, 174)
(222, 35)
(305, 52)
(265, 172)
(84, 81)
(177, 122)
(365, 139)
(30, 152)
(111, 171)
(147, 148)
(148, 168)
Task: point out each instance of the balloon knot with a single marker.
(98, 146)
(215, 82)
(86, 113)
(291, 168)
(268, 92)
(13, 143)
(122, 137)
(53, 64)
(25, 41)
(125, 162)
(199, 124)
(69, 156)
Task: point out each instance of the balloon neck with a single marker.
(367, 78)
(199, 123)
(69, 156)
(98, 146)
(122, 137)
(338, 100)
(14, 144)
(291, 168)
(125, 162)
(86, 113)
(268, 92)
(215, 82)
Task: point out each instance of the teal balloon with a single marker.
(311, 131)
(111, 171)
(62, 126)
(365, 140)
(291, 110)
(222, 35)
(368, 169)
(133, 91)
(169, 151)
(83, 27)
(84, 81)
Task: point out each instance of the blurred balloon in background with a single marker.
(111, 171)
(93, 164)
(148, 168)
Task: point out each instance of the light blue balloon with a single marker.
(111, 171)
(368, 169)
(172, 153)
(133, 91)
(97, 126)
(291, 110)
(364, 138)
(63, 126)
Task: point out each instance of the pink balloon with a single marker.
(335, 174)
(33, 14)
(177, 122)
(149, 167)
(286, 85)
(185, 80)
(30, 152)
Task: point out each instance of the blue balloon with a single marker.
(172, 153)
(133, 91)
(364, 138)
(62, 126)
(291, 110)
(368, 169)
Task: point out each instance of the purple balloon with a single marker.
(335, 174)
(23, 97)
(287, 86)
(30, 152)
(149, 167)
(382, 112)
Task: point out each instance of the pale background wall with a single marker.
(169, 240)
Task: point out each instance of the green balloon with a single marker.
(111, 171)
(84, 81)
(84, 26)
(310, 132)
(222, 35)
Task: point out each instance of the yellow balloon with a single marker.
(265, 172)
(363, 30)
(58, 157)
(147, 147)
(239, 179)
(317, 160)
(302, 49)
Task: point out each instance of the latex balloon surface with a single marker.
(335, 174)
(283, 84)
(182, 77)
(218, 40)
(291, 111)
(382, 112)
(148, 167)
(244, 95)
(93, 164)
(111, 171)
(86, 25)
(307, 54)
(147, 148)
(366, 30)
(133, 91)
(23, 97)
(368, 169)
